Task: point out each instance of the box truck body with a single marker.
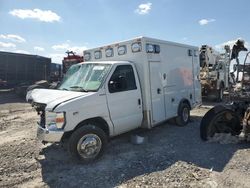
(166, 76)
(136, 83)
(16, 68)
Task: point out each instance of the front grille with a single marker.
(40, 108)
(42, 119)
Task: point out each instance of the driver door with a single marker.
(124, 99)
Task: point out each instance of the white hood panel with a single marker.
(52, 97)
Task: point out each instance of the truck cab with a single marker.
(105, 96)
(214, 72)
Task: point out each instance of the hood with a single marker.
(52, 97)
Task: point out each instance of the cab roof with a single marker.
(105, 62)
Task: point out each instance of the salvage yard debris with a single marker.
(172, 156)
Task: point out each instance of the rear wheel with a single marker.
(87, 143)
(183, 115)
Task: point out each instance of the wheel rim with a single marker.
(185, 114)
(89, 146)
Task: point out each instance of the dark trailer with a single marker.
(16, 68)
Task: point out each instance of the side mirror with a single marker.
(117, 84)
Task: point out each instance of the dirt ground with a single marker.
(172, 157)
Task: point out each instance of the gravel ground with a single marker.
(172, 157)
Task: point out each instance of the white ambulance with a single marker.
(120, 87)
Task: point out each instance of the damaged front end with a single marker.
(40, 108)
(47, 127)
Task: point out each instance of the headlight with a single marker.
(55, 120)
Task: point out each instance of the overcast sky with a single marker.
(51, 27)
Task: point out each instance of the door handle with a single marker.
(158, 91)
(139, 101)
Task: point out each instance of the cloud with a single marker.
(221, 46)
(229, 43)
(3, 50)
(22, 51)
(78, 49)
(57, 58)
(7, 45)
(63, 46)
(143, 8)
(185, 39)
(206, 21)
(41, 15)
(10, 47)
(38, 48)
(66, 46)
(14, 38)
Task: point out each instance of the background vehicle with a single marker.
(17, 68)
(214, 73)
(233, 117)
(71, 59)
(120, 87)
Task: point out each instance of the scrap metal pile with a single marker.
(233, 117)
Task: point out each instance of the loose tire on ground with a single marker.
(84, 143)
(219, 120)
(183, 115)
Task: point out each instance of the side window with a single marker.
(123, 79)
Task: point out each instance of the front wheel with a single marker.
(87, 143)
(183, 115)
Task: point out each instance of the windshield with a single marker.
(67, 64)
(85, 77)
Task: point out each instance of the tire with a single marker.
(208, 126)
(183, 115)
(205, 121)
(92, 138)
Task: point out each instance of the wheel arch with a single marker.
(182, 117)
(186, 101)
(100, 122)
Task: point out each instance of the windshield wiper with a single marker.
(80, 88)
(64, 89)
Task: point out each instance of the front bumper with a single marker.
(46, 135)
